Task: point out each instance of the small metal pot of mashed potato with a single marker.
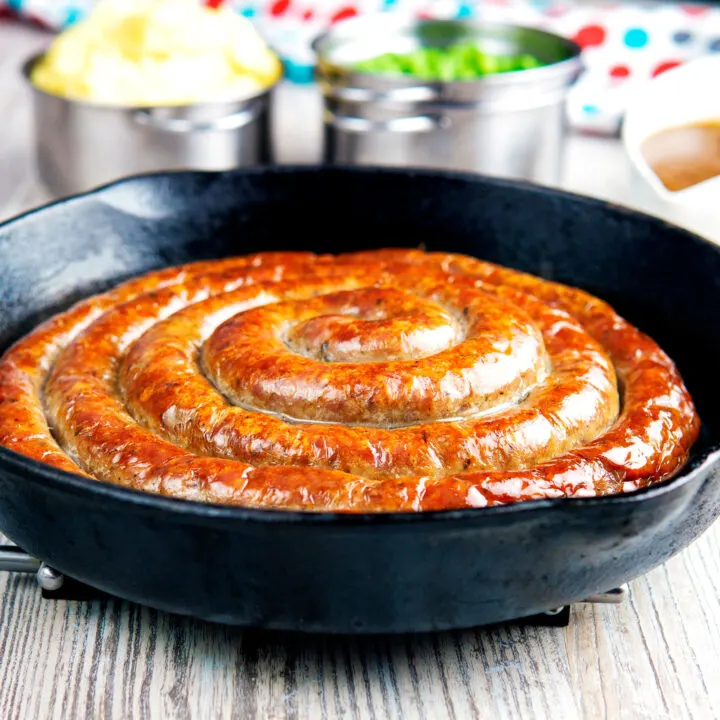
(150, 85)
(451, 94)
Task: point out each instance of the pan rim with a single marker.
(343, 169)
(59, 480)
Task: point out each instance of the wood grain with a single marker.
(655, 656)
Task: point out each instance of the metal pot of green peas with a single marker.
(459, 95)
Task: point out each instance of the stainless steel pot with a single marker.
(511, 124)
(81, 145)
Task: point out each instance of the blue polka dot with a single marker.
(464, 11)
(16, 4)
(248, 12)
(714, 45)
(73, 15)
(590, 109)
(387, 4)
(636, 38)
(682, 37)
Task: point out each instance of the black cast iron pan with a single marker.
(383, 573)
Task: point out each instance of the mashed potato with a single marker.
(157, 52)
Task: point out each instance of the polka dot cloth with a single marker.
(624, 44)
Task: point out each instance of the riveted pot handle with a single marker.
(185, 125)
(416, 124)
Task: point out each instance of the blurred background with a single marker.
(624, 43)
(556, 120)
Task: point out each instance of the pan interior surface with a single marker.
(655, 275)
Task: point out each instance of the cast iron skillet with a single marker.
(383, 573)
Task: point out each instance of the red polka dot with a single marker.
(308, 15)
(279, 7)
(694, 9)
(590, 36)
(620, 71)
(213, 3)
(344, 14)
(663, 66)
(38, 22)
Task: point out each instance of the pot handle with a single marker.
(415, 124)
(13, 559)
(184, 125)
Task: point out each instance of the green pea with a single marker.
(462, 61)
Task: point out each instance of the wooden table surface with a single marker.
(654, 656)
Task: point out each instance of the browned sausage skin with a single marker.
(366, 382)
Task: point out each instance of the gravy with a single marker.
(684, 156)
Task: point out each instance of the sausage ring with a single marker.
(391, 380)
